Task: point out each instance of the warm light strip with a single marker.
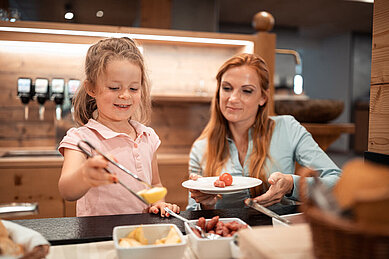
(248, 44)
(43, 47)
(55, 47)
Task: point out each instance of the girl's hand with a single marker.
(93, 173)
(280, 184)
(159, 207)
(207, 201)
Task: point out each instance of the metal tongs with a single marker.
(86, 152)
(203, 234)
(251, 203)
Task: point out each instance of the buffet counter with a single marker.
(74, 230)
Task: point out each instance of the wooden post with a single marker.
(263, 22)
(379, 86)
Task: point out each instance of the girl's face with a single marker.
(118, 91)
(240, 95)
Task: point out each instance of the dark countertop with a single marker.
(73, 230)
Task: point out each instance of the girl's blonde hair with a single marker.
(216, 131)
(97, 58)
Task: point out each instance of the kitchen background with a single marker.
(332, 37)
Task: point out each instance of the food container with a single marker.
(296, 218)
(33, 243)
(152, 232)
(205, 248)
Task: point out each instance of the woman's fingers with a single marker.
(199, 196)
(274, 178)
(194, 177)
(281, 184)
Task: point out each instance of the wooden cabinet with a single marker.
(34, 180)
(173, 170)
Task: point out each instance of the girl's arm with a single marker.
(79, 174)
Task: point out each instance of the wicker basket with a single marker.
(335, 237)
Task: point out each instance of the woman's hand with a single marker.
(207, 201)
(280, 184)
(94, 174)
(159, 207)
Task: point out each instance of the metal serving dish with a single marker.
(18, 209)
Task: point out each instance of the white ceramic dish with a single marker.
(296, 218)
(205, 184)
(27, 237)
(205, 248)
(152, 233)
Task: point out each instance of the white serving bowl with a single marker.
(296, 218)
(152, 232)
(205, 248)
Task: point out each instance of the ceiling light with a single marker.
(100, 14)
(69, 15)
(298, 84)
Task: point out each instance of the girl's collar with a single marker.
(107, 133)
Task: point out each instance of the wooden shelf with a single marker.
(326, 133)
(182, 98)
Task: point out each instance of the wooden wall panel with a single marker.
(156, 13)
(185, 69)
(178, 124)
(379, 119)
(174, 69)
(171, 177)
(32, 60)
(380, 46)
(379, 88)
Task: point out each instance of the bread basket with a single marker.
(337, 237)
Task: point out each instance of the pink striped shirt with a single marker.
(136, 155)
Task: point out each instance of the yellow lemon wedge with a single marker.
(138, 235)
(129, 242)
(172, 237)
(154, 194)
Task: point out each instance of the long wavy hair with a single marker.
(97, 58)
(217, 130)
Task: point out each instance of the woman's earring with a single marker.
(95, 114)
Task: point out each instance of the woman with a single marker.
(241, 139)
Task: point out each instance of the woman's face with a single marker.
(240, 95)
(118, 91)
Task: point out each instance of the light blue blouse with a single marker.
(290, 142)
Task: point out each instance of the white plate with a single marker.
(205, 184)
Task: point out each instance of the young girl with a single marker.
(110, 107)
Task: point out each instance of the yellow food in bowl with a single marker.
(171, 238)
(154, 194)
(137, 238)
